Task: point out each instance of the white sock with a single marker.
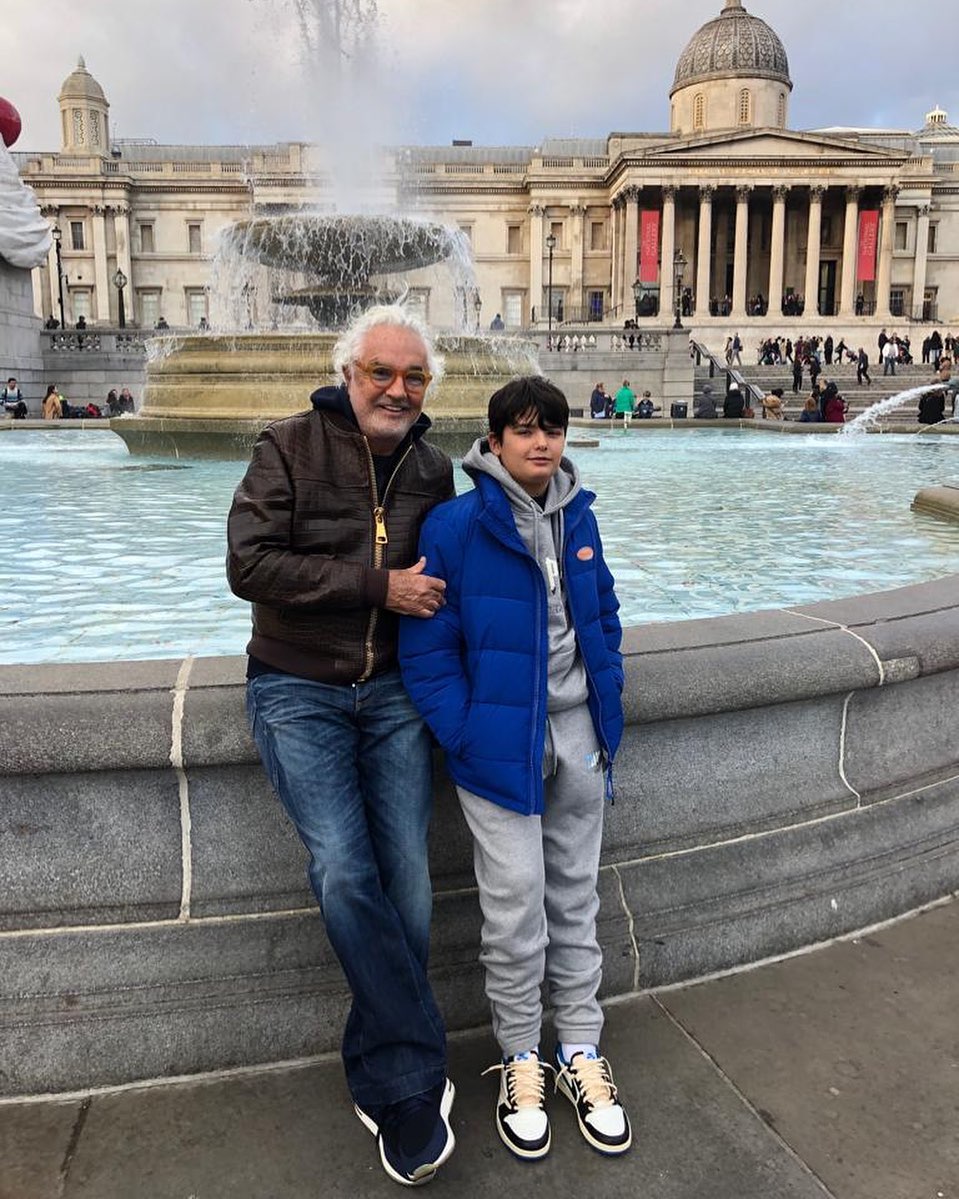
(567, 1049)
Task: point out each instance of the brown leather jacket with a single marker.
(310, 546)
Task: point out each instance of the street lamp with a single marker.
(477, 305)
(550, 246)
(637, 294)
(57, 234)
(120, 282)
(679, 265)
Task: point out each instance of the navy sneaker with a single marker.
(587, 1082)
(414, 1135)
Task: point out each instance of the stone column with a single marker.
(54, 282)
(777, 251)
(667, 250)
(922, 257)
(813, 246)
(847, 290)
(576, 299)
(884, 280)
(704, 249)
(617, 257)
(121, 230)
(101, 279)
(537, 248)
(741, 252)
(631, 242)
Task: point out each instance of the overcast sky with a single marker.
(502, 72)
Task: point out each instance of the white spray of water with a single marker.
(872, 416)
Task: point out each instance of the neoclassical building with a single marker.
(764, 222)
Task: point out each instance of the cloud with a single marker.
(499, 71)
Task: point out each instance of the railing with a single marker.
(94, 341)
(754, 395)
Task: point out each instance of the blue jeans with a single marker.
(352, 767)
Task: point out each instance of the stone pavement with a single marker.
(834, 1073)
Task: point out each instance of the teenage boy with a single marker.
(519, 676)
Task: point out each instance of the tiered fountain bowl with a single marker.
(208, 395)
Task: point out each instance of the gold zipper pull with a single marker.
(379, 515)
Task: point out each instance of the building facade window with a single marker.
(933, 239)
(148, 302)
(467, 231)
(95, 139)
(193, 238)
(418, 302)
(146, 239)
(699, 111)
(897, 301)
(79, 131)
(781, 111)
(514, 239)
(513, 309)
(556, 228)
(902, 234)
(558, 304)
(745, 106)
(596, 305)
(76, 235)
(80, 302)
(196, 306)
(597, 235)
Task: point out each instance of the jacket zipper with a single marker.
(380, 542)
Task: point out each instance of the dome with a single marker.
(734, 44)
(937, 126)
(82, 86)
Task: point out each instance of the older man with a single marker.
(322, 539)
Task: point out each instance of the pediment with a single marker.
(774, 144)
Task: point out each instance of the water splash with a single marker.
(873, 415)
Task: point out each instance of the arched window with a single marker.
(745, 107)
(699, 111)
(781, 116)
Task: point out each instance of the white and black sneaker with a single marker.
(587, 1082)
(521, 1119)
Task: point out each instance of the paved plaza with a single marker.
(833, 1073)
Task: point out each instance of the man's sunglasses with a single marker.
(415, 380)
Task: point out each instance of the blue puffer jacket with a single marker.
(477, 670)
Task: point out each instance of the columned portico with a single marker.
(884, 278)
(100, 266)
(777, 250)
(813, 246)
(847, 294)
(741, 252)
(667, 297)
(121, 229)
(577, 214)
(704, 250)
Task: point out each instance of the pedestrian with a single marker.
(12, 400)
(624, 403)
(322, 540)
(890, 352)
(862, 367)
(797, 373)
(530, 629)
(52, 406)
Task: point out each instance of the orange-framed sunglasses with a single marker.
(415, 380)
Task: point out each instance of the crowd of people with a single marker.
(55, 405)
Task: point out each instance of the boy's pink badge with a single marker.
(585, 553)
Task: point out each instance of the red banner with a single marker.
(649, 245)
(868, 244)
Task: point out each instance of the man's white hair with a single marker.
(348, 345)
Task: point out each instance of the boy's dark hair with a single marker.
(531, 393)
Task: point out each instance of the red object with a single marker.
(868, 244)
(649, 245)
(10, 125)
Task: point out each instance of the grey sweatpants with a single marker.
(537, 889)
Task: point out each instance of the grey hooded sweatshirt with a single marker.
(541, 529)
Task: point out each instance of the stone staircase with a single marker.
(858, 397)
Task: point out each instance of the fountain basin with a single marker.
(209, 395)
(785, 777)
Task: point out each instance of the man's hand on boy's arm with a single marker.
(413, 593)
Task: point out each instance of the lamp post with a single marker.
(637, 293)
(477, 305)
(120, 282)
(679, 265)
(57, 234)
(550, 246)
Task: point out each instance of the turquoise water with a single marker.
(105, 556)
